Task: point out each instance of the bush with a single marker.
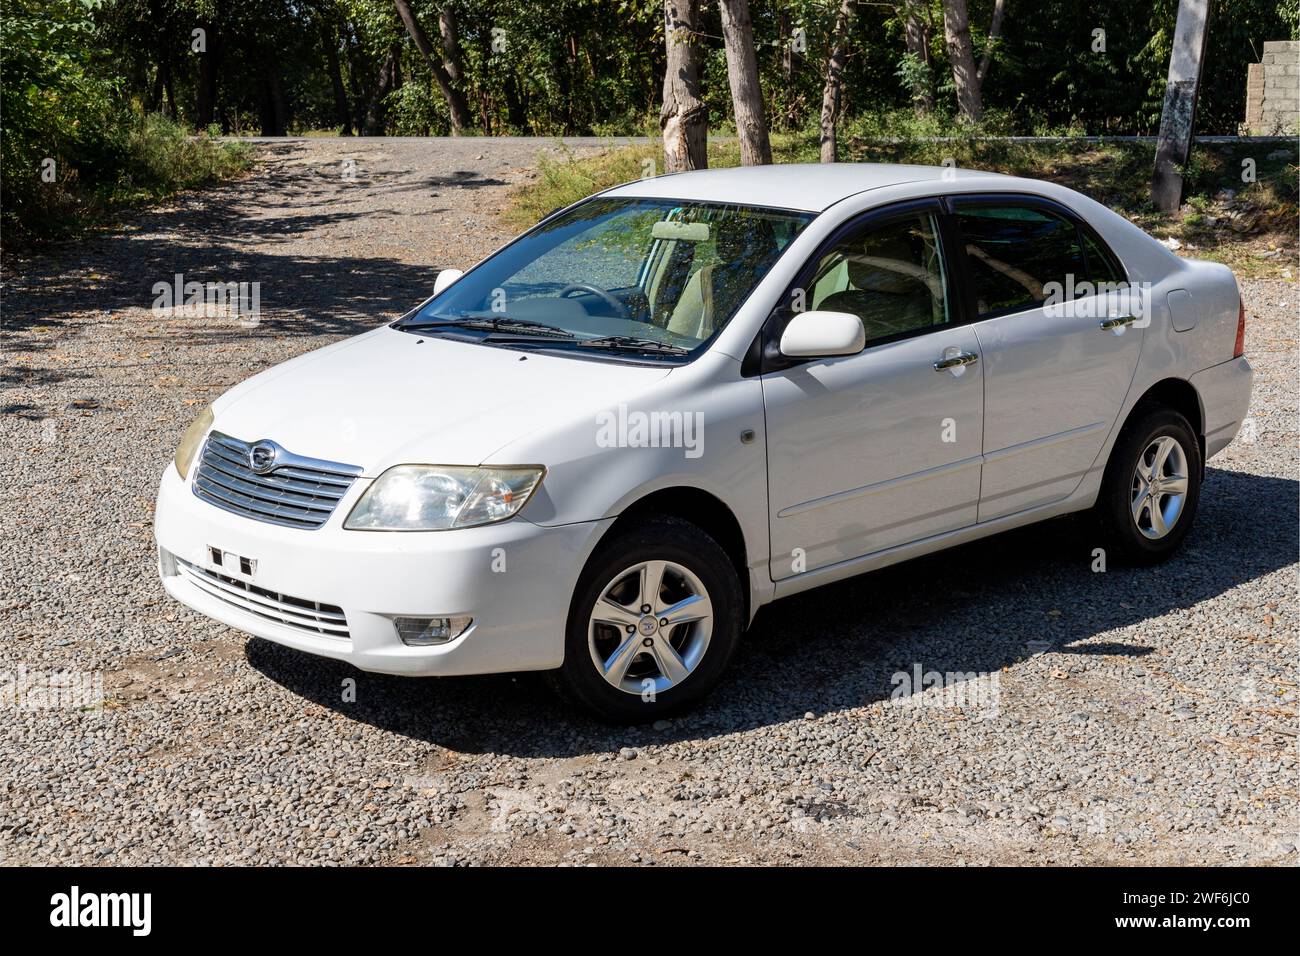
(71, 149)
(163, 158)
(60, 122)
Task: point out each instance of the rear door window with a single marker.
(1102, 266)
(1014, 253)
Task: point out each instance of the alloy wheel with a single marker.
(650, 627)
(1159, 487)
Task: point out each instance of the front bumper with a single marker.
(515, 579)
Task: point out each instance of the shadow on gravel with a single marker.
(981, 607)
(300, 294)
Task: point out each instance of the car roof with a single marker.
(805, 186)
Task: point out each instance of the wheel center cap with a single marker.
(648, 625)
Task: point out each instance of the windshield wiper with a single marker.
(496, 323)
(632, 342)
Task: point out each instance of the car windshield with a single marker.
(655, 277)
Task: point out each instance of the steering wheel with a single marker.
(619, 308)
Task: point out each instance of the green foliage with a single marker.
(73, 146)
(561, 182)
(162, 157)
(79, 75)
(417, 109)
(1288, 12)
(60, 114)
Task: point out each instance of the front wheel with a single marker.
(654, 620)
(1151, 488)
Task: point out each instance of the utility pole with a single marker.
(1179, 111)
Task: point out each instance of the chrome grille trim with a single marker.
(312, 617)
(298, 492)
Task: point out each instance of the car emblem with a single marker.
(261, 457)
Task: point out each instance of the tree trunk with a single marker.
(457, 105)
(1178, 114)
(684, 117)
(831, 95)
(451, 56)
(516, 113)
(154, 103)
(376, 111)
(956, 31)
(918, 44)
(169, 88)
(995, 34)
(207, 92)
(742, 72)
(275, 111)
(342, 111)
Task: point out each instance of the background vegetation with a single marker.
(108, 89)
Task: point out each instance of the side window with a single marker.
(1101, 263)
(890, 275)
(1014, 252)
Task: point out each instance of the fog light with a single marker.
(424, 631)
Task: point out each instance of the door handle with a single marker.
(1117, 322)
(956, 361)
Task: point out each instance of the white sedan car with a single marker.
(601, 450)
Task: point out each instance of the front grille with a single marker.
(298, 492)
(312, 617)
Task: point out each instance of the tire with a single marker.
(653, 683)
(1138, 528)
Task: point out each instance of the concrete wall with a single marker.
(1273, 90)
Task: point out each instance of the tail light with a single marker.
(1239, 348)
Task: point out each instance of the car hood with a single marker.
(389, 397)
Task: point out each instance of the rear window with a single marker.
(1015, 252)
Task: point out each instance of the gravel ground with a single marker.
(1129, 716)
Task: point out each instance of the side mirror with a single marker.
(823, 334)
(445, 278)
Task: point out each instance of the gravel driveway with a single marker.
(1120, 716)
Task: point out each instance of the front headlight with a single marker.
(441, 497)
(191, 440)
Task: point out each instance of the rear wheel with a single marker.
(653, 623)
(1151, 487)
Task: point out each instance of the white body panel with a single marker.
(857, 460)
(838, 457)
(1052, 389)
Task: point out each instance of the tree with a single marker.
(917, 33)
(832, 95)
(389, 79)
(209, 60)
(457, 105)
(956, 31)
(684, 118)
(742, 72)
(995, 34)
(343, 113)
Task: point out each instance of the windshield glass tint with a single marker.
(661, 270)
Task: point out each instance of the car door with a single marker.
(1056, 367)
(873, 450)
